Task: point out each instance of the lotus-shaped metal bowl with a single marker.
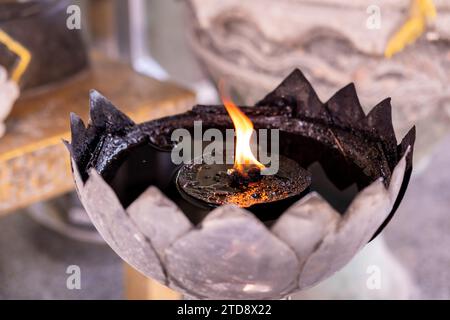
(231, 253)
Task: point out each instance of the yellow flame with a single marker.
(244, 128)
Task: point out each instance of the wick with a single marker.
(242, 178)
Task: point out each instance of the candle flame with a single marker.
(243, 158)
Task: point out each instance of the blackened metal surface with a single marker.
(350, 146)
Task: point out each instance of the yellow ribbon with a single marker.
(20, 51)
(421, 11)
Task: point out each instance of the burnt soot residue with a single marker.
(335, 178)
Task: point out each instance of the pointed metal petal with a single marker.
(366, 213)
(105, 115)
(379, 122)
(77, 127)
(158, 218)
(296, 91)
(305, 224)
(232, 255)
(117, 229)
(380, 119)
(78, 136)
(344, 107)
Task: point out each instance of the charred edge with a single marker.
(110, 151)
(86, 141)
(78, 136)
(105, 116)
(83, 141)
(268, 110)
(379, 120)
(296, 91)
(107, 119)
(342, 111)
(344, 107)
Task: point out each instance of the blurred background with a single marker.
(158, 57)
